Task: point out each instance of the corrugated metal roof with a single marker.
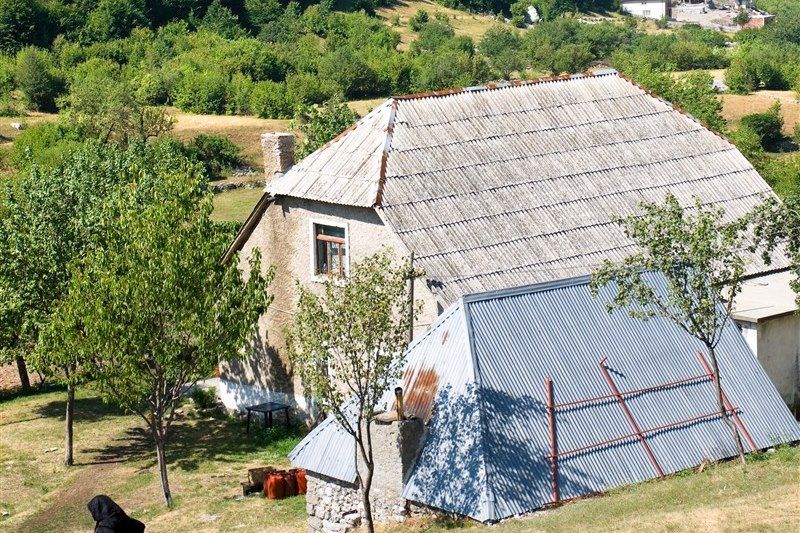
(485, 362)
(514, 185)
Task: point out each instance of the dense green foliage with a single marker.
(319, 125)
(149, 308)
(768, 126)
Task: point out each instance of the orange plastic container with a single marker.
(274, 486)
(300, 476)
(290, 483)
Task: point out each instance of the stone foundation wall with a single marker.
(335, 506)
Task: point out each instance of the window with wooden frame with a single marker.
(330, 251)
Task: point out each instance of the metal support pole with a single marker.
(551, 419)
(411, 298)
(727, 402)
(629, 416)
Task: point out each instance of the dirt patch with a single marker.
(735, 106)
(9, 378)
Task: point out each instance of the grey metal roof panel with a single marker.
(522, 336)
(507, 186)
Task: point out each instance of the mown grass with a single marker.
(208, 456)
(763, 495)
(235, 205)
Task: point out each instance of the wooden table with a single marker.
(267, 408)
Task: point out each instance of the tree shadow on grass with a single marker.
(193, 442)
(86, 409)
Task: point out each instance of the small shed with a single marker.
(537, 394)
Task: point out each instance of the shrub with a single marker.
(741, 78)
(768, 126)
(418, 20)
(270, 100)
(215, 152)
(238, 95)
(48, 143)
(113, 19)
(38, 79)
(204, 398)
(201, 92)
(321, 124)
(306, 88)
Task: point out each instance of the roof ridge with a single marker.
(387, 147)
(523, 289)
(506, 85)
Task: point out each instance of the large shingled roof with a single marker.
(479, 375)
(503, 186)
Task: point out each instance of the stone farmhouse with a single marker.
(490, 187)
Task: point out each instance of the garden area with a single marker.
(210, 454)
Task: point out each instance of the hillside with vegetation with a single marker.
(120, 70)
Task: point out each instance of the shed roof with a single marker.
(502, 186)
(765, 297)
(481, 371)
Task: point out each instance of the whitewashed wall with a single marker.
(650, 10)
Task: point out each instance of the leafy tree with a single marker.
(22, 23)
(700, 258)
(114, 19)
(347, 345)
(502, 46)
(150, 309)
(50, 217)
(321, 124)
(221, 20)
(261, 12)
(37, 78)
(102, 104)
(777, 226)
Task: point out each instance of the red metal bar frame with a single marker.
(632, 392)
(644, 432)
(727, 402)
(629, 416)
(551, 419)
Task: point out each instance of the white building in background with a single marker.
(649, 9)
(766, 313)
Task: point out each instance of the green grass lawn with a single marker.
(236, 204)
(208, 457)
(763, 495)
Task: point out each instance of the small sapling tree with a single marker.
(347, 345)
(700, 257)
(151, 308)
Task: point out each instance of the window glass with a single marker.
(330, 250)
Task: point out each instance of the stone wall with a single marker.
(335, 506)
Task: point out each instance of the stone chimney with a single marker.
(278, 148)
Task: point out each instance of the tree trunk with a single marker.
(721, 405)
(162, 468)
(69, 415)
(365, 490)
(22, 368)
